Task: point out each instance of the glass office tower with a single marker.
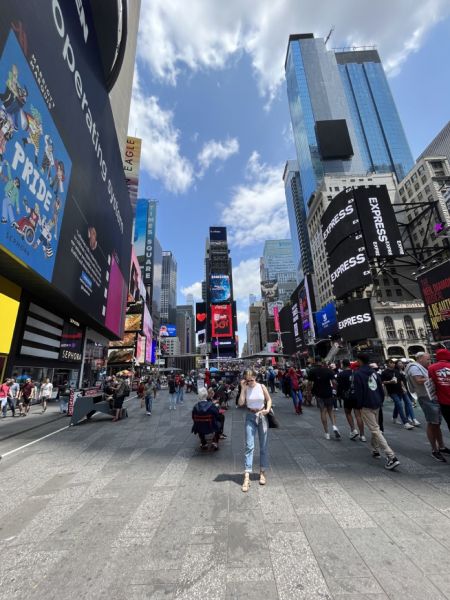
(382, 140)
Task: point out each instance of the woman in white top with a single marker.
(46, 393)
(255, 397)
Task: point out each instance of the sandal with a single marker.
(246, 483)
(262, 478)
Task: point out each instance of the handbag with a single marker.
(272, 420)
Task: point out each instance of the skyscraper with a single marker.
(381, 138)
(168, 288)
(186, 328)
(277, 263)
(297, 219)
(440, 146)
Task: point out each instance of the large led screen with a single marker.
(339, 220)
(221, 320)
(349, 267)
(220, 289)
(356, 321)
(326, 321)
(435, 289)
(66, 212)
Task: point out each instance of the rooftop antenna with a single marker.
(329, 34)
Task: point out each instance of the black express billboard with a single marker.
(339, 220)
(366, 209)
(66, 213)
(435, 289)
(349, 267)
(355, 321)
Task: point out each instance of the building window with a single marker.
(410, 327)
(389, 293)
(391, 334)
(399, 292)
(402, 191)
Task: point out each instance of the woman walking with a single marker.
(255, 397)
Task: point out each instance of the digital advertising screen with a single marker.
(133, 322)
(168, 330)
(435, 290)
(220, 288)
(140, 349)
(71, 348)
(378, 223)
(218, 234)
(131, 167)
(221, 320)
(147, 328)
(326, 321)
(127, 341)
(200, 316)
(356, 321)
(66, 214)
(349, 267)
(269, 290)
(339, 220)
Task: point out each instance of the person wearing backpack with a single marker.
(346, 392)
(369, 395)
(120, 392)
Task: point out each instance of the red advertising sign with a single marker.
(71, 402)
(276, 318)
(221, 320)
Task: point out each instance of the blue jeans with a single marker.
(253, 424)
(148, 403)
(409, 410)
(297, 398)
(172, 400)
(180, 395)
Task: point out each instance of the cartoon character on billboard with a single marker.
(26, 226)
(45, 236)
(11, 196)
(58, 179)
(15, 96)
(48, 160)
(33, 124)
(6, 130)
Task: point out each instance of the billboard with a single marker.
(200, 316)
(349, 267)
(71, 348)
(127, 341)
(221, 320)
(339, 220)
(435, 290)
(326, 321)
(136, 289)
(147, 328)
(131, 166)
(140, 349)
(271, 306)
(67, 211)
(218, 234)
(120, 356)
(356, 321)
(220, 289)
(269, 289)
(168, 330)
(378, 222)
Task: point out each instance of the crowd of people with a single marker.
(15, 395)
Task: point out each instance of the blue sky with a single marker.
(209, 102)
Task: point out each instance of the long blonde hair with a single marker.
(249, 373)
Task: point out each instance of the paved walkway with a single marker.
(133, 510)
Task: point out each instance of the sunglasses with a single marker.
(250, 380)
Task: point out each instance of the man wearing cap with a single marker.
(417, 376)
(439, 373)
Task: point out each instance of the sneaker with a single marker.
(395, 421)
(170, 408)
(408, 426)
(416, 422)
(438, 456)
(391, 463)
(444, 450)
(376, 454)
(148, 412)
(354, 434)
(4, 221)
(362, 438)
(327, 436)
(214, 446)
(337, 435)
(174, 408)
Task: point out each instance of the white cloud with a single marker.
(200, 35)
(195, 289)
(216, 151)
(161, 153)
(257, 210)
(246, 279)
(242, 318)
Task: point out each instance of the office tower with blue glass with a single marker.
(343, 117)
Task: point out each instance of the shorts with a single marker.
(323, 403)
(350, 403)
(431, 410)
(118, 403)
(26, 401)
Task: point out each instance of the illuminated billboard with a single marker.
(435, 289)
(168, 331)
(220, 289)
(131, 166)
(221, 320)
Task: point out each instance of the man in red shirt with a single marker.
(439, 373)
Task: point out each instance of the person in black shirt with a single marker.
(172, 393)
(323, 382)
(345, 391)
(392, 379)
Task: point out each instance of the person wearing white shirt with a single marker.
(255, 397)
(46, 393)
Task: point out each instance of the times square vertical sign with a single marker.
(150, 243)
